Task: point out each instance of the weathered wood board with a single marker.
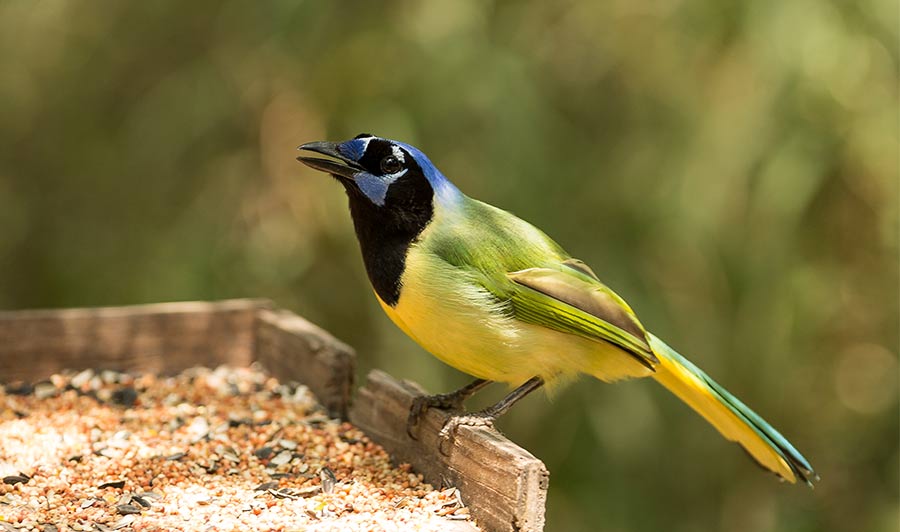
(503, 485)
(161, 338)
(292, 348)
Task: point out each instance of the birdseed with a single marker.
(208, 449)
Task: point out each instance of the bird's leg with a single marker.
(453, 400)
(487, 416)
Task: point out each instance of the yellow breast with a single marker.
(447, 312)
(452, 318)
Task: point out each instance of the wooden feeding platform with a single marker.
(503, 486)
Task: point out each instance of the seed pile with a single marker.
(223, 449)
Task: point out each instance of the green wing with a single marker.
(571, 299)
(521, 265)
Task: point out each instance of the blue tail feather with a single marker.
(798, 464)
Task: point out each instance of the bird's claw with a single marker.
(421, 404)
(448, 432)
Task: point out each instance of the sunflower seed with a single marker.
(122, 523)
(328, 479)
(282, 458)
(265, 486)
(126, 509)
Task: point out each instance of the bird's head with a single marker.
(385, 173)
(394, 193)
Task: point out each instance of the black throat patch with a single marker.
(386, 232)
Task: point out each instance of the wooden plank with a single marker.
(291, 348)
(160, 338)
(504, 486)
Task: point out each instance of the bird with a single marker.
(494, 297)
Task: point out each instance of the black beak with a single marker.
(341, 167)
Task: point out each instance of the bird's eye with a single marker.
(391, 165)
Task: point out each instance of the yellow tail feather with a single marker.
(697, 393)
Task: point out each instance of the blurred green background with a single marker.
(730, 168)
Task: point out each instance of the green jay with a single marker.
(493, 296)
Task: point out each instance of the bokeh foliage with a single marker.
(730, 168)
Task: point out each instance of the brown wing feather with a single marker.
(592, 298)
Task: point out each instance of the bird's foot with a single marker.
(421, 404)
(447, 401)
(448, 432)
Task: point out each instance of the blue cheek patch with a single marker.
(375, 187)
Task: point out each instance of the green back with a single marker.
(543, 284)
